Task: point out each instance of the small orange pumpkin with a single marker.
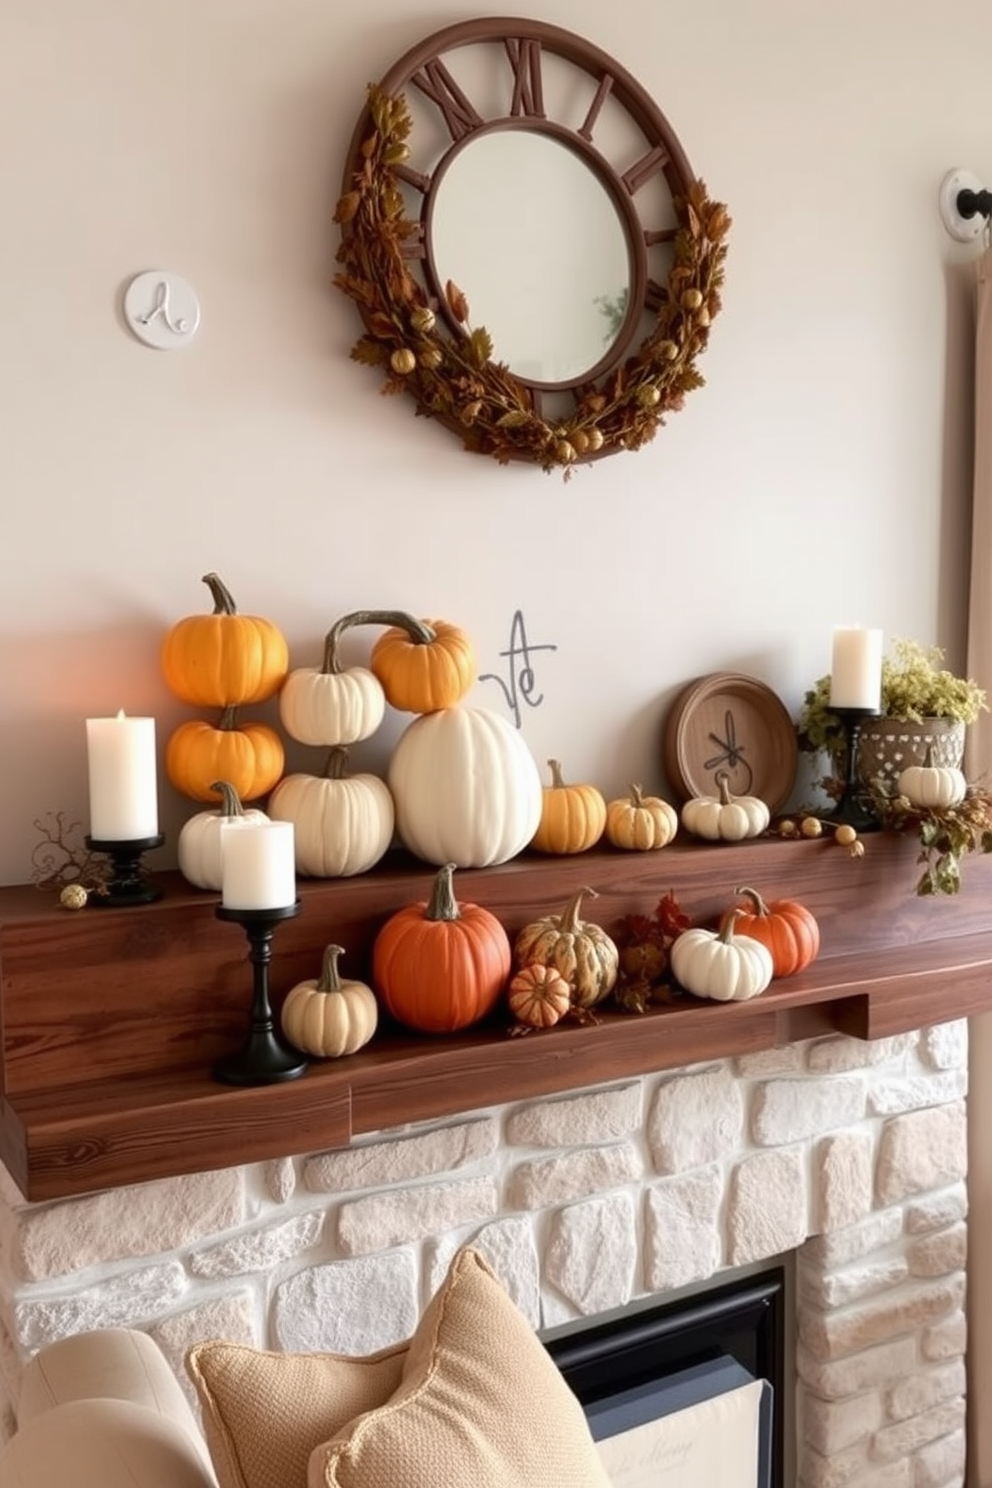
(439, 965)
(539, 995)
(572, 816)
(222, 659)
(250, 757)
(423, 665)
(785, 927)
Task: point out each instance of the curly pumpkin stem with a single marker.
(557, 779)
(336, 763)
(330, 979)
(443, 904)
(725, 934)
(759, 906)
(636, 795)
(570, 922)
(220, 594)
(418, 632)
(230, 800)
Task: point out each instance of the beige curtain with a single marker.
(978, 763)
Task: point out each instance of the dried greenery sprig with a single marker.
(454, 378)
(946, 835)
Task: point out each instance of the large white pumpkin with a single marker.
(198, 847)
(466, 787)
(342, 824)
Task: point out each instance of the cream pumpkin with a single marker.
(329, 1016)
(640, 823)
(466, 787)
(199, 844)
(721, 965)
(343, 824)
(333, 704)
(725, 817)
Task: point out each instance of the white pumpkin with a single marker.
(342, 824)
(329, 1016)
(720, 965)
(725, 817)
(467, 789)
(930, 785)
(332, 705)
(198, 846)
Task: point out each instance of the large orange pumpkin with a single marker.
(250, 758)
(423, 665)
(785, 927)
(438, 965)
(222, 659)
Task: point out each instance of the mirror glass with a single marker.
(532, 237)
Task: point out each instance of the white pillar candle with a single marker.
(258, 865)
(856, 668)
(123, 782)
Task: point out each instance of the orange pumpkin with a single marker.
(223, 659)
(422, 665)
(539, 995)
(572, 816)
(785, 927)
(439, 965)
(250, 758)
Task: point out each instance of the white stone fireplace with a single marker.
(849, 1154)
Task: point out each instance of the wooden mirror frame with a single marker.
(417, 331)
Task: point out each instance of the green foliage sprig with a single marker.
(454, 378)
(915, 685)
(946, 836)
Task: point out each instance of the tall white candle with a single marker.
(258, 864)
(123, 783)
(856, 668)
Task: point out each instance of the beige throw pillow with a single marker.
(481, 1405)
(263, 1413)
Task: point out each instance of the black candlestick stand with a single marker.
(852, 809)
(128, 884)
(262, 1059)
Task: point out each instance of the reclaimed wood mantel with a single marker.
(112, 1018)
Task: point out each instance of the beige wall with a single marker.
(821, 477)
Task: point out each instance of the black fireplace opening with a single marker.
(743, 1320)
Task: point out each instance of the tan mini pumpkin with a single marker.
(329, 1016)
(572, 816)
(640, 823)
(539, 995)
(725, 817)
(578, 950)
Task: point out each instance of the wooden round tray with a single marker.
(729, 721)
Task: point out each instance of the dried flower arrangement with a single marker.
(454, 378)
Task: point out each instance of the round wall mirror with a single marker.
(533, 259)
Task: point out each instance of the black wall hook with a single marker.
(974, 203)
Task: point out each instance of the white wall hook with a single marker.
(964, 228)
(162, 309)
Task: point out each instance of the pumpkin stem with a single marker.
(443, 904)
(416, 629)
(229, 718)
(928, 757)
(557, 780)
(220, 594)
(759, 906)
(727, 923)
(569, 920)
(230, 800)
(636, 795)
(723, 786)
(330, 980)
(337, 761)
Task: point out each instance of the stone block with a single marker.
(788, 1111)
(542, 1183)
(348, 1307)
(920, 1151)
(381, 1220)
(695, 1120)
(443, 1149)
(577, 1120)
(591, 1254)
(768, 1206)
(682, 1241)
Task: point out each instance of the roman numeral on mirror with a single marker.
(596, 107)
(459, 114)
(528, 91)
(642, 170)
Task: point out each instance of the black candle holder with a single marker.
(262, 1059)
(129, 884)
(853, 809)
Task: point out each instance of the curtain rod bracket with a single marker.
(965, 206)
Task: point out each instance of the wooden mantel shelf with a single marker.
(112, 1019)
